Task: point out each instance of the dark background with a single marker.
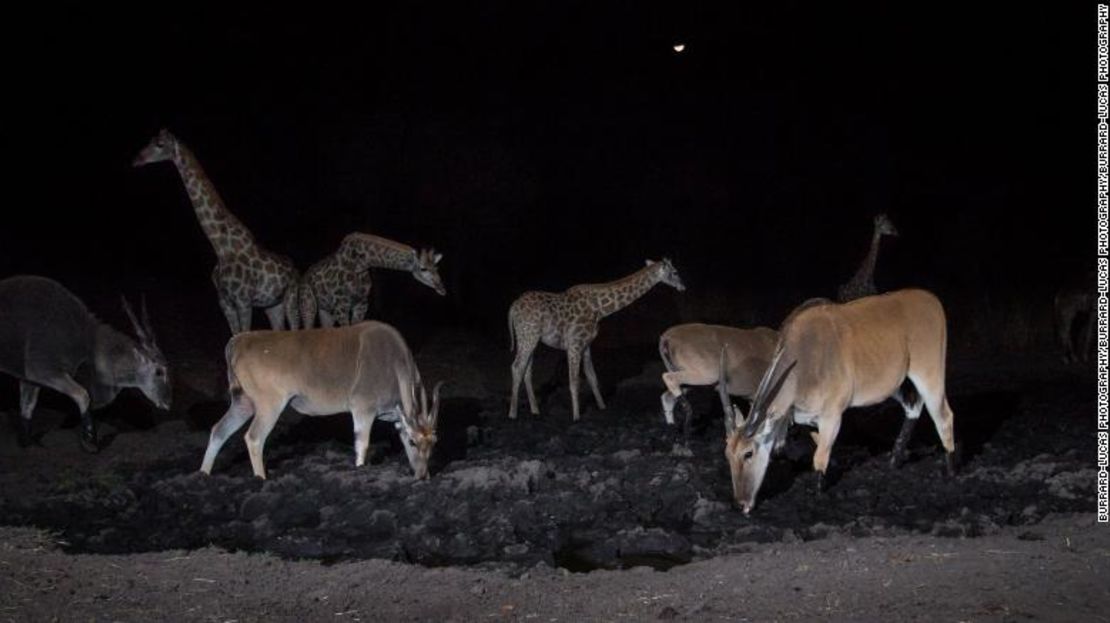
(543, 144)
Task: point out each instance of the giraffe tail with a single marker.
(512, 331)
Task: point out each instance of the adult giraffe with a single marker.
(246, 275)
(568, 321)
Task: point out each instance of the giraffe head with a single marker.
(668, 274)
(160, 148)
(885, 226)
(425, 270)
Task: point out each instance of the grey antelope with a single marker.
(366, 369)
(568, 321)
(48, 338)
(690, 352)
(830, 357)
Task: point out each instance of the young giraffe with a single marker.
(246, 275)
(338, 286)
(863, 282)
(568, 321)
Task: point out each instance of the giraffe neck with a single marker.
(616, 295)
(377, 252)
(226, 233)
(867, 270)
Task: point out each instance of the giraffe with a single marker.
(246, 275)
(568, 321)
(863, 282)
(338, 286)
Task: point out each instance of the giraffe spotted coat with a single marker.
(246, 275)
(569, 321)
(337, 288)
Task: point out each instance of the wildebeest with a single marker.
(48, 338)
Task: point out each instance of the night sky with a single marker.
(543, 144)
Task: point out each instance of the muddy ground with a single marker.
(616, 515)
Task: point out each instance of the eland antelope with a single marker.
(690, 353)
(366, 369)
(48, 338)
(833, 356)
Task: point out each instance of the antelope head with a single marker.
(668, 274)
(425, 270)
(417, 425)
(150, 373)
(748, 453)
(160, 148)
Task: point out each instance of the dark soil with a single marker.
(617, 489)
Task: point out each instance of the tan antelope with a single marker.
(690, 352)
(569, 321)
(833, 356)
(366, 369)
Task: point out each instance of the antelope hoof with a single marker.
(896, 459)
(821, 483)
(25, 438)
(89, 443)
(950, 464)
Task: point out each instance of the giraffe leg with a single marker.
(574, 362)
(276, 316)
(525, 347)
(231, 313)
(28, 397)
(326, 320)
(358, 312)
(244, 311)
(307, 303)
(591, 377)
(291, 303)
(343, 316)
(528, 386)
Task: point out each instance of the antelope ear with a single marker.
(436, 257)
(648, 262)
